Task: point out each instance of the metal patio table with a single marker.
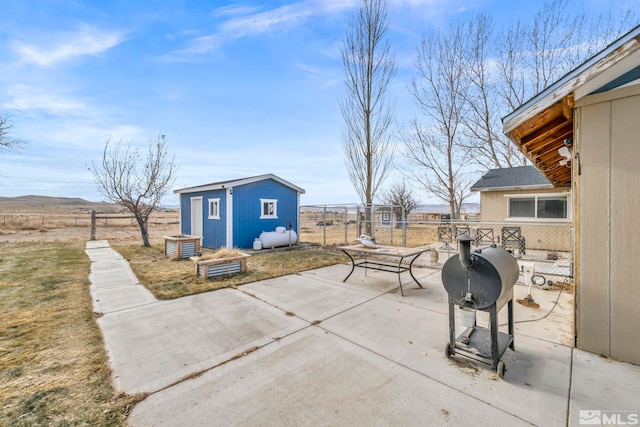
(381, 258)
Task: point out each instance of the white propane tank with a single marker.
(257, 244)
(280, 237)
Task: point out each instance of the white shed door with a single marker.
(196, 216)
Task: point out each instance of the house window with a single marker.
(548, 206)
(269, 208)
(214, 208)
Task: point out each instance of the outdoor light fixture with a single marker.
(565, 153)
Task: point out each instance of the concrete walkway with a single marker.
(307, 349)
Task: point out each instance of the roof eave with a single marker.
(515, 188)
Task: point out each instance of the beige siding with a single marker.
(494, 207)
(625, 208)
(608, 203)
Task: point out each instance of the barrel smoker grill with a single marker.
(480, 281)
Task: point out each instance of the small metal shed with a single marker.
(233, 213)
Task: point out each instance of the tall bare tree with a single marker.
(530, 56)
(401, 198)
(482, 122)
(138, 183)
(505, 69)
(7, 142)
(369, 67)
(432, 149)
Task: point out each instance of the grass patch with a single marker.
(53, 366)
(169, 278)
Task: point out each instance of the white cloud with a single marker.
(234, 10)
(22, 97)
(62, 46)
(289, 14)
(197, 46)
(247, 23)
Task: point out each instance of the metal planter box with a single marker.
(221, 266)
(182, 246)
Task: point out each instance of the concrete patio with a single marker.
(307, 349)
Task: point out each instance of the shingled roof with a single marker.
(517, 178)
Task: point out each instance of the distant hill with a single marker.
(56, 204)
(33, 203)
(444, 209)
(46, 200)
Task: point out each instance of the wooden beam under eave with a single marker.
(568, 103)
(563, 180)
(535, 150)
(550, 159)
(541, 119)
(544, 132)
(553, 142)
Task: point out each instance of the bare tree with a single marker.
(123, 176)
(433, 151)
(482, 122)
(507, 68)
(369, 67)
(401, 198)
(531, 56)
(7, 142)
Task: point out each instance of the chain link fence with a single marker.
(543, 247)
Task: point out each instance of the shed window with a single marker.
(538, 207)
(269, 208)
(214, 208)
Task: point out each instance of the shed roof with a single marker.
(540, 126)
(238, 182)
(521, 177)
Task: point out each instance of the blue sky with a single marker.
(240, 88)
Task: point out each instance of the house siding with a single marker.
(185, 214)
(247, 224)
(213, 230)
(607, 202)
(494, 207)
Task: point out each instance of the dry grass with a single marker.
(21, 223)
(221, 253)
(53, 366)
(170, 278)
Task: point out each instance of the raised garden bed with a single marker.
(208, 268)
(182, 246)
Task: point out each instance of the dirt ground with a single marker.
(58, 220)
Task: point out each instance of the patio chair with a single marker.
(445, 236)
(484, 236)
(512, 239)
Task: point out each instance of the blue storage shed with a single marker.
(234, 213)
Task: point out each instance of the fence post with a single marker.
(93, 225)
(346, 224)
(324, 226)
(404, 227)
